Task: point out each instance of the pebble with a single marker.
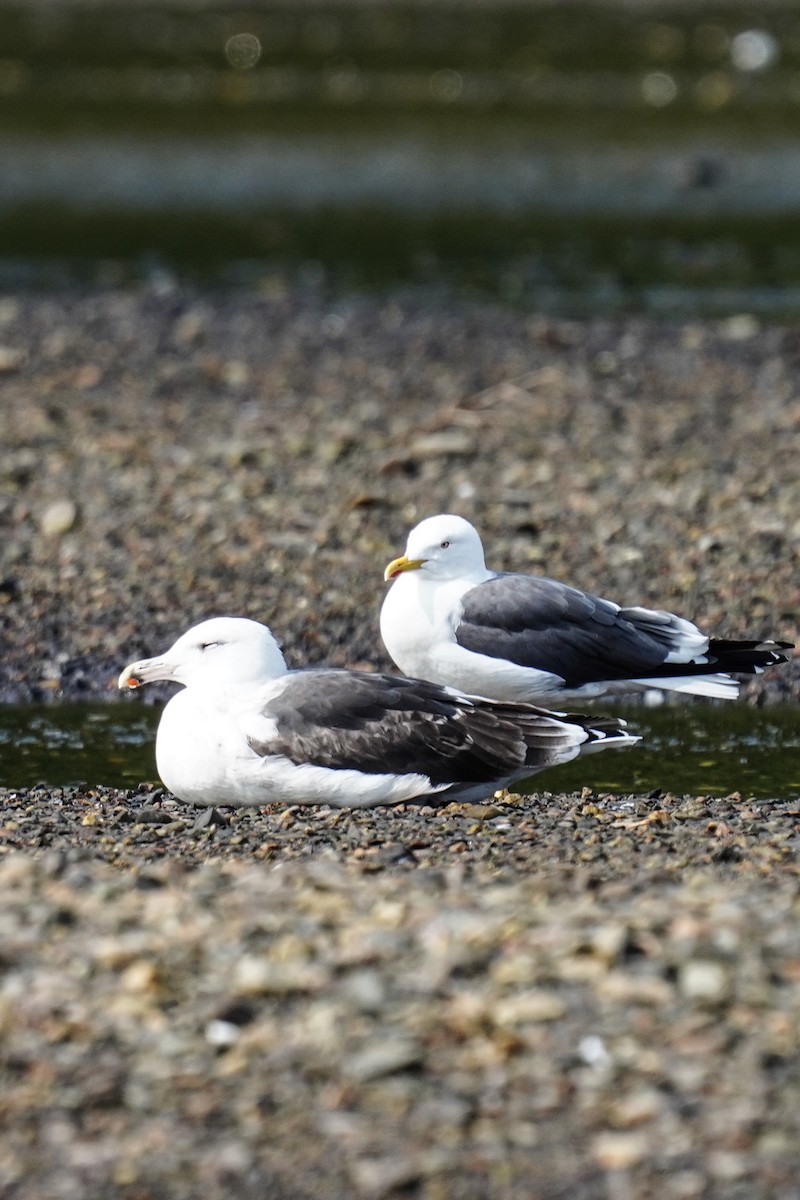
(262, 976)
(619, 1151)
(11, 359)
(637, 1108)
(522, 1007)
(59, 518)
(375, 1178)
(704, 980)
(222, 1033)
(382, 1057)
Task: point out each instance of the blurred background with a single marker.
(577, 157)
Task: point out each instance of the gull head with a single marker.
(443, 547)
(221, 652)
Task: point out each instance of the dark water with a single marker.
(574, 156)
(700, 749)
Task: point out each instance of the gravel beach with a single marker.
(558, 997)
(170, 455)
(576, 996)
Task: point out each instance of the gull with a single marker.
(245, 730)
(450, 619)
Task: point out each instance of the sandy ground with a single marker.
(575, 996)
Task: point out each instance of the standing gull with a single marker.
(245, 730)
(510, 637)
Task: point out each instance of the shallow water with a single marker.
(701, 748)
(573, 157)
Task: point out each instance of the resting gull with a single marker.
(245, 730)
(516, 638)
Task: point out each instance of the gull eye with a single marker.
(208, 645)
(444, 545)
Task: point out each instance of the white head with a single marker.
(443, 547)
(217, 653)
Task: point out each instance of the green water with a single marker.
(700, 748)
(568, 157)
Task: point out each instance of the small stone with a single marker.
(453, 442)
(235, 373)
(593, 1051)
(625, 987)
(704, 980)
(637, 1108)
(58, 518)
(210, 818)
(727, 1164)
(125, 1173)
(87, 377)
(189, 326)
(395, 852)
(260, 976)
(529, 1007)
(140, 976)
(222, 1033)
(605, 362)
(383, 1057)
(11, 359)
(608, 940)
(365, 990)
(482, 812)
(375, 1178)
(740, 328)
(619, 1151)
(153, 816)
(53, 863)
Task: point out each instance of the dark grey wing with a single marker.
(382, 724)
(540, 623)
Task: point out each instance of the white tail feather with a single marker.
(619, 741)
(719, 687)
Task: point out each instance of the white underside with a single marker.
(203, 757)
(418, 621)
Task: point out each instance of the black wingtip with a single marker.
(746, 658)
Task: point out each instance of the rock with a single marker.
(222, 1033)
(619, 1151)
(58, 518)
(210, 818)
(11, 359)
(637, 1107)
(628, 988)
(704, 980)
(261, 976)
(383, 1056)
(365, 989)
(529, 1006)
(375, 1178)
